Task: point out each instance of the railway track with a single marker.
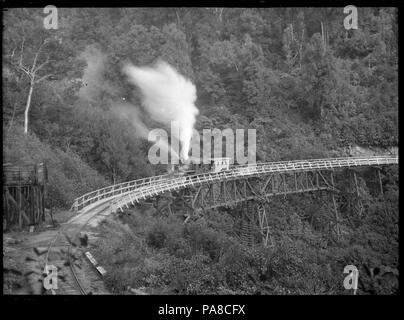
(166, 185)
(65, 253)
(76, 276)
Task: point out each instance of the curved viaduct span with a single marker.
(252, 185)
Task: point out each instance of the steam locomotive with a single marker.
(194, 166)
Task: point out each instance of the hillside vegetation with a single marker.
(308, 86)
(68, 175)
(156, 254)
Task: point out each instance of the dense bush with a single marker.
(306, 94)
(69, 177)
(203, 257)
(207, 240)
(308, 87)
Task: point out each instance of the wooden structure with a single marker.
(252, 187)
(23, 195)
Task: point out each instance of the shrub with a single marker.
(213, 242)
(68, 175)
(123, 255)
(193, 276)
(163, 233)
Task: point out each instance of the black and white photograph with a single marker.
(226, 151)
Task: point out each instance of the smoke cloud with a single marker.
(93, 73)
(133, 114)
(94, 80)
(167, 96)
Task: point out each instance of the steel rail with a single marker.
(71, 266)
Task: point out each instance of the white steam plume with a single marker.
(130, 112)
(167, 96)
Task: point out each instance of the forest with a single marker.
(309, 87)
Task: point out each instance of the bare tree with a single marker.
(31, 71)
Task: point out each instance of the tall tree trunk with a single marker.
(322, 35)
(114, 175)
(301, 50)
(178, 18)
(31, 88)
(291, 32)
(220, 14)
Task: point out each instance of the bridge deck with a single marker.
(239, 172)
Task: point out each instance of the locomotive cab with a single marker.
(195, 166)
(215, 165)
(220, 164)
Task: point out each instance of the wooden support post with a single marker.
(196, 196)
(284, 183)
(356, 184)
(313, 179)
(386, 208)
(358, 199)
(307, 180)
(212, 195)
(32, 214)
(263, 224)
(336, 215)
(5, 209)
(39, 205)
(19, 206)
(25, 204)
(311, 217)
(29, 203)
(26, 218)
(43, 203)
(332, 180)
(169, 209)
(36, 212)
(12, 213)
(249, 215)
(334, 202)
(380, 181)
(35, 201)
(41, 210)
(245, 224)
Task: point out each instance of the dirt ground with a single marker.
(21, 266)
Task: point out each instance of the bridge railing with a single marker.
(113, 191)
(333, 161)
(320, 163)
(247, 170)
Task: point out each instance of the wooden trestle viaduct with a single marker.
(249, 190)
